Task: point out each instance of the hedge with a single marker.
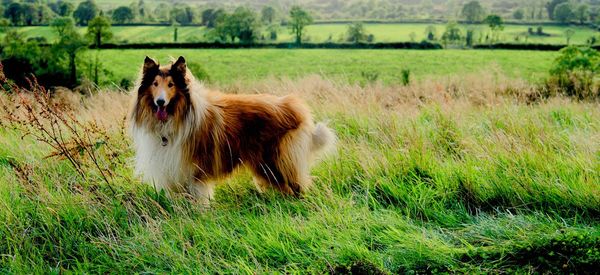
(216, 45)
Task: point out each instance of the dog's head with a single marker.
(164, 89)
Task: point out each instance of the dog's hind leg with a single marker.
(293, 160)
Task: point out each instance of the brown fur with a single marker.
(272, 136)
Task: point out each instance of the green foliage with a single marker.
(61, 25)
(405, 77)
(563, 13)
(575, 73)
(242, 24)
(210, 17)
(13, 13)
(576, 58)
(519, 14)
(183, 14)
(86, 11)
(268, 14)
(582, 13)
(99, 29)
(431, 33)
(551, 7)
(299, 19)
(356, 33)
(473, 11)
(495, 22)
(452, 34)
(65, 9)
(122, 15)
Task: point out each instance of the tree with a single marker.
(85, 12)
(182, 14)
(242, 24)
(99, 29)
(495, 22)
(122, 15)
(519, 14)
(356, 33)
(162, 12)
(473, 12)
(210, 16)
(30, 14)
(551, 6)
(65, 9)
(582, 13)
(69, 45)
(569, 34)
(61, 25)
(563, 13)
(13, 13)
(452, 33)
(299, 19)
(268, 15)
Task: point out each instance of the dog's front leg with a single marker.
(202, 191)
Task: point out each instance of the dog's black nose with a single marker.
(160, 102)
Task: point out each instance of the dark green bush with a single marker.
(405, 73)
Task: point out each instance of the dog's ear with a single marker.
(149, 65)
(179, 66)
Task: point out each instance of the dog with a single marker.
(187, 138)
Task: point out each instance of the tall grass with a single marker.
(466, 174)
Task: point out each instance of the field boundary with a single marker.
(217, 45)
(425, 45)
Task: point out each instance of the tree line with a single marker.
(42, 12)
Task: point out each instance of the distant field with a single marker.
(228, 66)
(336, 32)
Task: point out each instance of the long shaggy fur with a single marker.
(207, 135)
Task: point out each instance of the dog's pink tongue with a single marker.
(161, 113)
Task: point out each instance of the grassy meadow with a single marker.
(462, 173)
(226, 66)
(337, 33)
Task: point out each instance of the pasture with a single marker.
(226, 66)
(459, 174)
(337, 33)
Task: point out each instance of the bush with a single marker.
(405, 73)
(126, 84)
(575, 73)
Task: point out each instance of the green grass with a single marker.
(452, 187)
(251, 65)
(337, 33)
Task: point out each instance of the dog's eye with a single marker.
(155, 83)
(171, 85)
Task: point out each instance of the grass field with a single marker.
(337, 33)
(356, 66)
(445, 175)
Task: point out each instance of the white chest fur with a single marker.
(161, 165)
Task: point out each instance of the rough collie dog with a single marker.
(187, 137)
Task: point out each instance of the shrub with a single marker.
(125, 84)
(575, 74)
(405, 77)
(370, 76)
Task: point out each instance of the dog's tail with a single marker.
(323, 139)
